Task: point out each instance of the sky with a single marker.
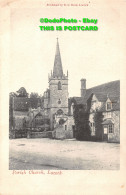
(94, 55)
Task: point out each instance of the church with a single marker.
(55, 100)
(53, 115)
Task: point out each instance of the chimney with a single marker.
(83, 87)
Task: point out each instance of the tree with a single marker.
(10, 111)
(12, 94)
(34, 95)
(98, 119)
(22, 92)
(81, 118)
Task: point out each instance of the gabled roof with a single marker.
(101, 97)
(107, 121)
(102, 92)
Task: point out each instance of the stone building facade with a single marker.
(103, 105)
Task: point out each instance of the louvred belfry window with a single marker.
(59, 85)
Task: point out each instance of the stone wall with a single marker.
(70, 122)
(60, 133)
(17, 134)
(56, 94)
(52, 112)
(115, 136)
(65, 130)
(18, 119)
(34, 134)
(20, 113)
(115, 117)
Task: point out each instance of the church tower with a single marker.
(58, 87)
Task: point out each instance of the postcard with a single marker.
(62, 97)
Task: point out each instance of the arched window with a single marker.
(72, 108)
(61, 121)
(59, 85)
(59, 112)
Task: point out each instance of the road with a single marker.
(38, 154)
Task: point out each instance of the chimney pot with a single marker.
(83, 87)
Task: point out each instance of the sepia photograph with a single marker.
(64, 111)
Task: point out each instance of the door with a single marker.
(105, 133)
(74, 133)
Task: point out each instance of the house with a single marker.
(103, 105)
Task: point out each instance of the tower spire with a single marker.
(57, 69)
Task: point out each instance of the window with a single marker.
(108, 114)
(59, 112)
(72, 108)
(110, 128)
(105, 130)
(65, 127)
(59, 85)
(92, 129)
(108, 106)
(59, 101)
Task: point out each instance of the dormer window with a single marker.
(59, 86)
(108, 106)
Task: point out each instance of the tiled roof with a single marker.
(101, 97)
(102, 92)
(79, 100)
(112, 89)
(108, 121)
(115, 106)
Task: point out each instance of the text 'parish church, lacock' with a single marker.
(57, 108)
